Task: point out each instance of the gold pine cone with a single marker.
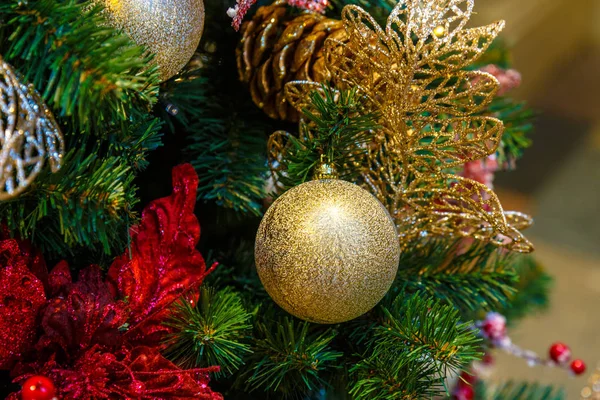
(277, 48)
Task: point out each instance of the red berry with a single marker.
(464, 393)
(560, 353)
(38, 388)
(578, 367)
(494, 327)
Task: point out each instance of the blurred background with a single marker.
(556, 48)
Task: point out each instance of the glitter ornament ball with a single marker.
(170, 29)
(560, 353)
(38, 388)
(327, 251)
(578, 367)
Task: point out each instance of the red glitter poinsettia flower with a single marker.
(85, 313)
(21, 297)
(129, 373)
(94, 334)
(163, 262)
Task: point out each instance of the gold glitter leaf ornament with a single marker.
(170, 29)
(28, 135)
(432, 117)
(327, 251)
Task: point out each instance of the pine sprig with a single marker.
(518, 123)
(88, 201)
(211, 333)
(389, 377)
(228, 153)
(422, 328)
(523, 391)
(480, 277)
(98, 84)
(85, 70)
(531, 290)
(291, 358)
(337, 129)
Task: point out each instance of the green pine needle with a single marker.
(98, 85)
(480, 278)
(291, 358)
(518, 123)
(525, 391)
(532, 290)
(211, 333)
(337, 129)
(430, 329)
(390, 377)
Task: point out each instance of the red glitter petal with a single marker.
(163, 262)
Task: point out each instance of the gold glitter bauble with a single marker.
(171, 29)
(327, 251)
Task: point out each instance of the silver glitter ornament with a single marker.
(170, 29)
(327, 251)
(28, 135)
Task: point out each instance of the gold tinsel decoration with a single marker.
(327, 251)
(170, 29)
(28, 135)
(277, 48)
(432, 118)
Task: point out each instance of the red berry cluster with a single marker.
(561, 354)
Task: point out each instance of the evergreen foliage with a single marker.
(520, 391)
(518, 122)
(338, 131)
(211, 333)
(227, 134)
(419, 343)
(290, 358)
(479, 277)
(531, 291)
(99, 86)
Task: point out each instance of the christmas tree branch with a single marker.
(226, 132)
(480, 277)
(291, 358)
(210, 333)
(337, 129)
(521, 391)
(98, 85)
(531, 290)
(85, 70)
(89, 201)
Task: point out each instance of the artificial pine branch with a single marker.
(98, 85)
(213, 332)
(85, 70)
(338, 130)
(291, 358)
(531, 290)
(389, 377)
(236, 269)
(421, 328)
(88, 202)
(522, 391)
(518, 123)
(479, 277)
(226, 133)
